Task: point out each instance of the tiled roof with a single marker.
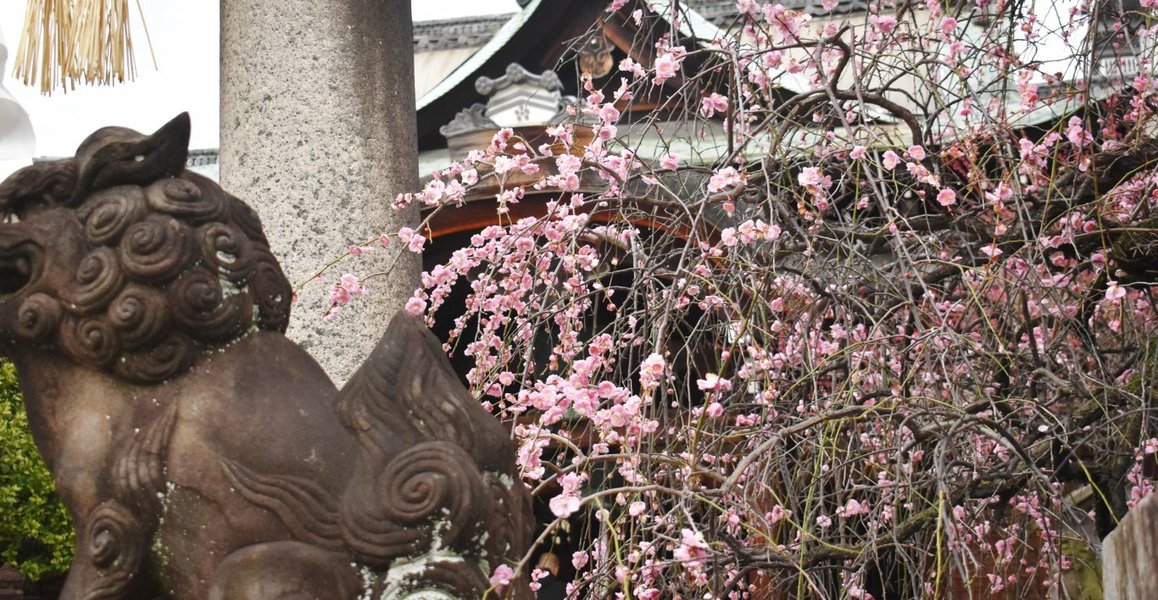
(723, 12)
(464, 32)
(472, 32)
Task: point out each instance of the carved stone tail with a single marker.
(432, 461)
(434, 501)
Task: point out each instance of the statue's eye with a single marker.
(24, 207)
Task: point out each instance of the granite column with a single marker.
(318, 134)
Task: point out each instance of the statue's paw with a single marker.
(285, 571)
(110, 548)
(433, 577)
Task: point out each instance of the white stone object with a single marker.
(17, 139)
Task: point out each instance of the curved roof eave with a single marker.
(471, 65)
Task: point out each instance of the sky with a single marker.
(185, 39)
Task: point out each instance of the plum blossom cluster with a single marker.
(888, 343)
(342, 292)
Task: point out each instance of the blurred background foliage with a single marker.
(36, 533)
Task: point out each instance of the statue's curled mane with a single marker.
(167, 270)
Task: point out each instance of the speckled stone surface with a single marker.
(1128, 554)
(318, 134)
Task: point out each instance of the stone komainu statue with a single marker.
(200, 452)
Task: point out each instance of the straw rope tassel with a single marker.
(65, 41)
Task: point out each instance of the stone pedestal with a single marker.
(318, 134)
(11, 582)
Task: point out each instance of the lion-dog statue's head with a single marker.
(138, 278)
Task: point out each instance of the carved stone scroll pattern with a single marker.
(172, 269)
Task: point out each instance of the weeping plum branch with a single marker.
(895, 338)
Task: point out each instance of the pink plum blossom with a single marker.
(667, 64)
(724, 179)
(415, 306)
(414, 241)
(948, 25)
(564, 505)
(885, 24)
(712, 104)
(692, 548)
(713, 383)
(810, 177)
(852, 508)
(1114, 291)
(348, 286)
(749, 7)
(502, 576)
(1077, 133)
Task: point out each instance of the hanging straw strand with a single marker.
(104, 48)
(65, 41)
(43, 49)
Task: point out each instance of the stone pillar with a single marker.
(1129, 554)
(318, 134)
